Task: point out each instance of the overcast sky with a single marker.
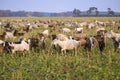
(58, 5)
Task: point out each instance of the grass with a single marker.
(49, 64)
(56, 66)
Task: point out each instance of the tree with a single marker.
(93, 10)
(76, 12)
(110, 11)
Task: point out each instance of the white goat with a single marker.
(116, 35)
(45, 26)
(100, 28)
(23, 46)
(79, 29)
(67, 45)
(67, 30)
(9, 35)
(45, 32)
(83, 24)
(91, 25)
(62, 37)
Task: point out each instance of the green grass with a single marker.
(49, 64)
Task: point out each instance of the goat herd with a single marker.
(67, 34)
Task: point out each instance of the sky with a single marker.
(58, 5)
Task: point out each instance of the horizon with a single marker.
(54, 12)
(58, 6)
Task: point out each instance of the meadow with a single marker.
(50, 64)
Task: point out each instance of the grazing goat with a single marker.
(116, 35)
(28, 28)
(67, 30)
(91, 26)
(79, 30)
(101, 42)
(101, 32)
(16, 33)
(62, 37)
(34, 42)
(80, 35)
(23, 46)
(9, 35)
(91, 41)
(67, 45)
(89, 44)
(100, 28)
(6, 47)
(44, 34)
(82, 42)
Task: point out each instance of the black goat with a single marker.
(101, 42)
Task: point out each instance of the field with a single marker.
(50, 64)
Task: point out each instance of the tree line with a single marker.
(92, 11)
(77, 12)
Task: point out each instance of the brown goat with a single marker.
(16, 33)
(80, 35)
(2, 37)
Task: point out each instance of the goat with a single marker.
(34, 42)
(9, 35)
(16, 33)
(101, 32)
(6, 47)
(67, 45)
(79, 30)
(117, 35)
(44, 34)
(91, 26)
(28, 28)
(101, 42)
(80, 35)
(100, 28)
(91, 41)
(62, 37)
(23, 46)
(67, 30)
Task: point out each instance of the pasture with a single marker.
(50, 64)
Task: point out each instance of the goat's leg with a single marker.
(76, 51)
(65, 52)
(62, 51)
(13, 51)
